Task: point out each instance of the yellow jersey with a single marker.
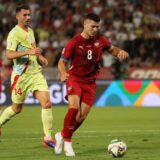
(21, 40)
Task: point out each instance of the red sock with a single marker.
(69, 124)
(77, 125)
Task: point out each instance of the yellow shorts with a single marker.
(25, 83)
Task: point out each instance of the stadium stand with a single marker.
(131, 24)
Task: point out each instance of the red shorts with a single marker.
(85, 91)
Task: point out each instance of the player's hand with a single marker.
(122, 55)
(35, 51)
(42, 60)
(64, 77)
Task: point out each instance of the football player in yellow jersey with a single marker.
(27, 73)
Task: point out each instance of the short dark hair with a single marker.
(22, 6)
(93, 16)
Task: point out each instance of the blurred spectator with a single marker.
(131, 24)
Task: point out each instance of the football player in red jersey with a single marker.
(84, 51)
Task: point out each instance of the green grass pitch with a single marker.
(139, 127)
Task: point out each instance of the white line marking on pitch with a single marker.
(80, 134)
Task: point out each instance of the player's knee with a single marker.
(17, 110)
(74, 105)
(81, 118)
(47, 104)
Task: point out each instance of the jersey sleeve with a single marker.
(68, 50)
(106, 43)
(12, 42)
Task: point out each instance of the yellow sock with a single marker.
(47, 121)
(7, 114)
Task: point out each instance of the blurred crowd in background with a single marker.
(133, 25)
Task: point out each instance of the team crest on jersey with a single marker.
(80, 47)
(96, 44)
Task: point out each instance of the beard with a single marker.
(27, 23)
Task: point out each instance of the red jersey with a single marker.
(85, 56)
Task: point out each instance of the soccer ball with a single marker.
(117, 148)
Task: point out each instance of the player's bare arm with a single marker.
(119, 53)
(42, 60)
(16, 54)
(62, 69)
